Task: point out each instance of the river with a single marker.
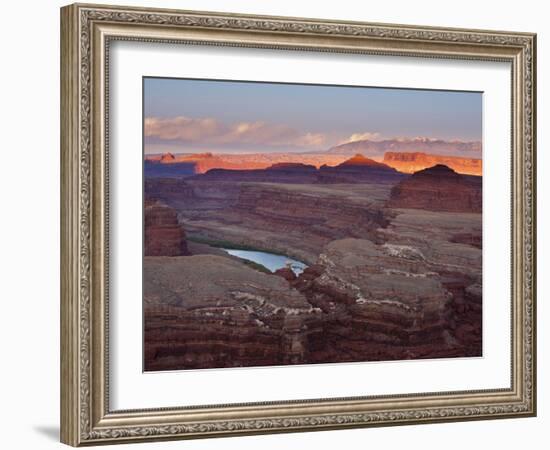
(270, 261)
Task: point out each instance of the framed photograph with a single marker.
(274, 224)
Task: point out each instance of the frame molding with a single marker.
(86, 31)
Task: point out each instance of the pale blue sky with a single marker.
(297, 117)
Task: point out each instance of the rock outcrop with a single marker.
(287, 273)
(167, 158)
(380, 302)
(360, 302)
(164, 236)
(410, 162)
(358, 161)
(235, 316)
(359, 169)
(438, 188)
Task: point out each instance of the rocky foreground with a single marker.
(360, 302)
(385, 282)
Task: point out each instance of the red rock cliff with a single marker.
(438, 188)
(410, 162)
(164, 236)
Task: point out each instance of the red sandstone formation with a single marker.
(202, 162)
(287, 273)
(360, 302)
(164, 236)
(359, 169)
(413, 162)
(438, 188)
(359, 161)
(235, 316)
(167, 158)
(206, 161)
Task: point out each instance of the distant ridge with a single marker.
(203, 162)
(358, 160)
(410, 162)
(441, 147)
(291, 166)
(359, 169)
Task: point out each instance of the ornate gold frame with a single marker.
(86, 31)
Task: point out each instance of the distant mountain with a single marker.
(415, 161)
(378, 148)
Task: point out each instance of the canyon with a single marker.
(392, 272)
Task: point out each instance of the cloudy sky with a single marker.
(184, 115)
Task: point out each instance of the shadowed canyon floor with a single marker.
(386, 279)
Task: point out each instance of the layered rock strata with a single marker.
(410, 162)
(235, 316)
(438, 188)
(164, 236)
(360, 302)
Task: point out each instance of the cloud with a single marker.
(213, 132)
(366, 136)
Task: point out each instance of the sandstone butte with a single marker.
(358, 160)
(410, 162)
(438, 188)
(167, 158)
(164, 236)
